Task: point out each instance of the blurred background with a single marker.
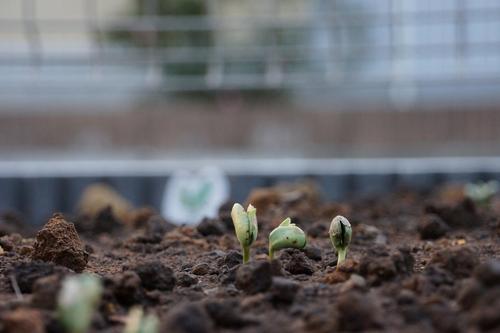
(364, 96)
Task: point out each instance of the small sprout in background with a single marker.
(137, 322)
(340, 235)
(286, 235)
(482, 192)
(79, 297)
(245, 227)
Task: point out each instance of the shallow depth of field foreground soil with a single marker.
(418, 262)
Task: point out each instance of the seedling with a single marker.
(286, 235)
(481, 193)
(340, 235)
(77, 301)
(137, 322)
(245, 227)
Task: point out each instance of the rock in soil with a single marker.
(23, 321)
(460, 261)
(155, 275)
(188, 318)
(254, 277)
(431, 226)
(284, 290)
(58, 242)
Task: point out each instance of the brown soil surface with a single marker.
(418, 262)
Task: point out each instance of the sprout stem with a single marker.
(246, 253)
(271, 253)
(341, 256)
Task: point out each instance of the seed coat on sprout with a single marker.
(245, 227)
(286, 235)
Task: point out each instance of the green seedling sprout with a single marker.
(340, 235)
(137, 322)
(77, 301)
(245, 227)
(481, 193)
(286, 235)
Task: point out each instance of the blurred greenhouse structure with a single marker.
(404, 51)
(141, 88)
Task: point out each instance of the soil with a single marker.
(417, 262)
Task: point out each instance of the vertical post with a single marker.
(32, 31)
(215, 71)
(150, 13)
(460, 37)
(330, 21)
(92, 13)
(274, 71)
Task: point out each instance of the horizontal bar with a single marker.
(217, 22)
(248, 82)
(170, 55)
(247, 166)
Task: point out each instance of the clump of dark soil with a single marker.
(418, 262)
(58, 242)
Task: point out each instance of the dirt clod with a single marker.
(155, 275)
(357, 312)
(201, 269)
(58, 242)
(185, 279)
(208, 227)
(296, 262)
(127, 288)
(461, 215)
(384, 265)
(26, 273)
(284, 290)
(312, 252)
(254, 277)
(432, 226)
(23, 321)
(232, 258)
(226, 314)
(489, 273)
(45, 291)
(188, 318)
(460, 261)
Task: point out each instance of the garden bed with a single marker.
(417, 262)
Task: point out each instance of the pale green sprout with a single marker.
(137, 322)
(340, 235)
(286, 235)
(245, 227)
(482, 192)
(78, 299)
